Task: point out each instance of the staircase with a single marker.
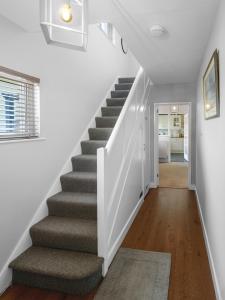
(63, 256)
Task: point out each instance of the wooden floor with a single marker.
(173, 175)
(167, 222)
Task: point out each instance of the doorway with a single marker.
(172, 145)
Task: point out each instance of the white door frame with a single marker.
(147, 145)
(156, 141)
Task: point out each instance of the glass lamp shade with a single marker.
(64, 23)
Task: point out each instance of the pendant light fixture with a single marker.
(64, 23)
(66, 13)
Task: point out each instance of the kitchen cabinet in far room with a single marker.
(177, 145)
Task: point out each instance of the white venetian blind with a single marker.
(19, 105)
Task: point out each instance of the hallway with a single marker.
(173, 175)
(167, 222)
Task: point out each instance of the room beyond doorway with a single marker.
(172, 144)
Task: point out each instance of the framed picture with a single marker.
(211, 93)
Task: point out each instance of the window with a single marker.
(109, 31)
(19, 105)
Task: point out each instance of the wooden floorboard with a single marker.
(167, 222)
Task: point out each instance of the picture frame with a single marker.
(211, 88)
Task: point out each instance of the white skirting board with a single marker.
(208, 249)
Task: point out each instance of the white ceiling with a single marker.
(175, 58)
(24, 13)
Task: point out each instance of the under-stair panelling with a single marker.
(63, 256)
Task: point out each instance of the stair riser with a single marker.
(91, 148)
(84, 165)
(67, 242)
(73, 211)
(119, 94)
(105, 122)
(126, 80)
(115, 102)
(111, 111)
(123, 87)
(79, 185)
(74, 287)
(99, 134)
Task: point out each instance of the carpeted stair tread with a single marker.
(105, 122)
(119, 94)
(62, 264)
(65, 233)
(111, 111)
(126, 80)
(99, 133)
(84, 163)
(115, 101)
(91, 146)
(80, 182)
(123, 86)
(67, 204)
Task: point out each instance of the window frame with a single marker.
(109, 31)
(26, 80)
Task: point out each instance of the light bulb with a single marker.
(174, 108)
(208, 106)
(66, 13)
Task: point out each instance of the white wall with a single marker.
(73, 85)
(210, 176)
(168, 93)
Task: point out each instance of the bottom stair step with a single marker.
(64, 271)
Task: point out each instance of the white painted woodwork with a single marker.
(120, 172)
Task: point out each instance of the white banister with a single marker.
(120, 172)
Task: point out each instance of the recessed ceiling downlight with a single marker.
(157, 31)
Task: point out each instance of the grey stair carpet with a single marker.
(119, 94)
(66, 233)
(99, 133)
(115, 101)
(84, 163)
(74, 205)
(126, 80)
(63, 256)
(105, 122)
(90, 147)
(60, 270)
(111, 111)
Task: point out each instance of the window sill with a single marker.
(40, 139)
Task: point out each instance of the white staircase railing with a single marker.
(120, 190)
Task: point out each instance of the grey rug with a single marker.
(137, 275)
